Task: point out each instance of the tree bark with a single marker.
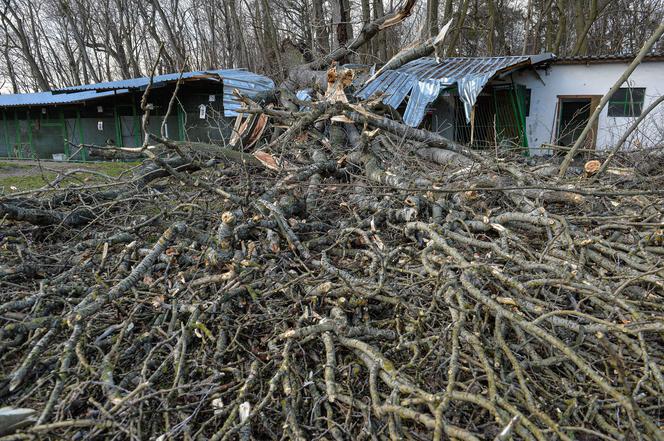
(10, 67)
(240, 47)
(321, 34)
(430, 27)
(270, 39)
(527, 25)
(583, 26)
(341, 24)
(432, 139)
(561, 6)
(459, 21)
(423, 50)
(380, 41)
(491, 26)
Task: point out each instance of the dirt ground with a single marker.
(29, 167)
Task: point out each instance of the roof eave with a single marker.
(606, 60)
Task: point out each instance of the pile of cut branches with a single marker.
(344, 277)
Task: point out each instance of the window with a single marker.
(627, 102)
(526, 98)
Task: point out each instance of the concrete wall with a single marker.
(592, 79)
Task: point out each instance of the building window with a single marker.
(627, 102)
(526, 98)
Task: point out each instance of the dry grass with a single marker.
(28, 175)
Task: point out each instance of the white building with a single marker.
(565, 92)
(527, 102)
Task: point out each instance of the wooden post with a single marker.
(81, 138)
(472, 125)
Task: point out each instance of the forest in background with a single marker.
(56, 43)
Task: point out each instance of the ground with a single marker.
(20, 175)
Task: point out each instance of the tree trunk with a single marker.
(239, 47)
(270, 39)
(527, 26)
(9, 64)
(380, 42)
(491, 26)
(305, 75)
(561, 6)
(67, 12)
(580, 23)
(343, 31)
(548, 39)
(459, 21)
(447, 13)
(366, 18)
(37, 72)
(170, 33)
(583, 26)
(19, 31)
(321, 34)
(430, 27)
(543, 19)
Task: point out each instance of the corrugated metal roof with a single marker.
(49, 98)
(247, 83)
(138, 83)
(426, 77)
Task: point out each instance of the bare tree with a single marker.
(430, 27)
(12, 17)
(61, 42)
(322, 36)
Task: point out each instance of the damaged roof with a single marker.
(247, 83)
(49, 98)
(425, 78)
(140, 83)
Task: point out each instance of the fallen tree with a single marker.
(396, 285)
(305, 75)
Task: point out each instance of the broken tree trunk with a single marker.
(421, 50)
(303, 76)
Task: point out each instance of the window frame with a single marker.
(627, 106)
(527, 99)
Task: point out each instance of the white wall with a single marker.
(592, 79)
